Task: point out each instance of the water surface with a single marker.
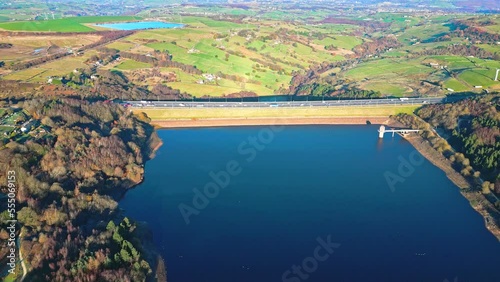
(140, 25)
(309, 182)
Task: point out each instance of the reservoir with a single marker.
(140, 25)
(307, 203)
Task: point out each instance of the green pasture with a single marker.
(456, 85)
(493, 48)
(431, 45)
(215, 24)
(454, 62)
(170, 34)
(479, 77)
(210, 59)
(188, 83)
(120, 45)
(340, 41)
(386, 89)
(422, 33)
(129, 64)
(72, 24)
(25, 75)
(385, 68)
(334, 28)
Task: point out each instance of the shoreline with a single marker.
(220, 122)
(150, 249)
(476, 199)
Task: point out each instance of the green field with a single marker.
(455, 62)
(213, 24)
(389, 70)
(132, 65)
(422, 33)
(456, 85)
(73, 24)
(479, 77)
(122, 46)
(340, 41)
(386, 89)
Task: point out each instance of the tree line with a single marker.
(459, 50)
(68, 182)
(473, 143)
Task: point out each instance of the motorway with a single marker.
(286, 104)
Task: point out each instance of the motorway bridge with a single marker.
(287, 104)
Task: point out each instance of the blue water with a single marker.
(309, 182)
(140, 25)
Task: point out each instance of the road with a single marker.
(23, 265)
(286, 104)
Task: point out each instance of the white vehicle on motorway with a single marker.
(404, 99)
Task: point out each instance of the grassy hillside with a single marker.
(219, 46)
(264, 55)
(192, 113)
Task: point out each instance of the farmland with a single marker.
(72, 24)
(29, 47)
(56, 68)
(131, 64)
(196, 45)
(261, 56)
(394, 75)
